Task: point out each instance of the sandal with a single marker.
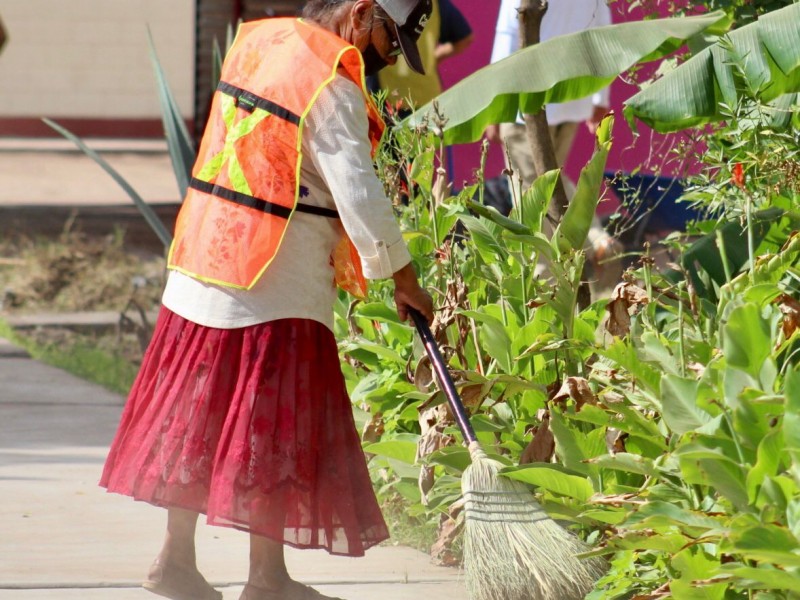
(178, 583)
(301, 592)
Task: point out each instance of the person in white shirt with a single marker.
(562, 17)
(240, 409)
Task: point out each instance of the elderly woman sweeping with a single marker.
(240, 411)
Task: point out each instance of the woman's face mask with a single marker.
(373, 61)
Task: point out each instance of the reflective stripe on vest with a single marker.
(245, 183)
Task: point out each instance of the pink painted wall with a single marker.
(626, 154)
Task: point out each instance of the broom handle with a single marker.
(443, 375)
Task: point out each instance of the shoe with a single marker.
(178, 583)
(293, 590)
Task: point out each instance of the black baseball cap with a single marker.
(410, 17)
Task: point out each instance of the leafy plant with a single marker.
(535, 76)
(661, 423)
(762, 58)
(664, 434)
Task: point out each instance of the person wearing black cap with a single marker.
(240, 410)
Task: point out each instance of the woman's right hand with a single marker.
(409, 294)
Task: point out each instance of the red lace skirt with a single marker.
(252, 427)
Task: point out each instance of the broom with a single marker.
(512, 549)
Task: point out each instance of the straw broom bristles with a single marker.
(512, 549)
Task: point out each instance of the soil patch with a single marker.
(76, 272)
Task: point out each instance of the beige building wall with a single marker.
(88, 59)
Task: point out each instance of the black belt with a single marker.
(249, 101)
(257, 203)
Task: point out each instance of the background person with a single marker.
(240, 409)
(562, 18)
(447, 34)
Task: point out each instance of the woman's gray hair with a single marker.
(320, 10)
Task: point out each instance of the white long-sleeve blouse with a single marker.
(338, 173)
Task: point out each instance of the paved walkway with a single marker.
(61, 536)
(53, 172)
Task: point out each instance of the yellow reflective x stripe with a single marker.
(227, 155)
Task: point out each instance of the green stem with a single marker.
(734, 437)
(724, 254)
(524, 282)
(681, 340)
(648, 276)
(750, 238)
(478, 355)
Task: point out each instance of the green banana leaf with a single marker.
(768, 53)
(558, 70)
(573, 229)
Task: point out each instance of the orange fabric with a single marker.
(257, 154)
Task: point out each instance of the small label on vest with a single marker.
(247, 101)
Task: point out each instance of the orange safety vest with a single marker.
(245, 183)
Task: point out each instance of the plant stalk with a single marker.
(531, 13)
(748, 207)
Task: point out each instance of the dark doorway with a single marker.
(214, 20)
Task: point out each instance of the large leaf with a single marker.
(553, 479)
(711, 466)
(769, 543)
(658, 514)
(767, 49)
(766, 577)
(485, 235)
(558, 70)
(791, 420)
(494, 338)
(746, 339)
(705, 255)
(679, 397)
(574, 227)
(404, 450)
(148, 213)
(534, 202)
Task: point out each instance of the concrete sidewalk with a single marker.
(62, 537)
(47, 185)
(54, 172)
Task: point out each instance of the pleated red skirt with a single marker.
(252, 427)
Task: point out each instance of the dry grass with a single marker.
(76, 273)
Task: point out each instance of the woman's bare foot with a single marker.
(178, 583)
(289, 590)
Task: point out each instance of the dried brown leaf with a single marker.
(432, 424)
(425, 482)
(441, 187)
(626, 299)
(615, 440)
(423, 375)
(441, 553)
(791, 315)
(373, 429)
(618, 500)
(473, 395)
(578, 389)
(619, 321)
(542, 446)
